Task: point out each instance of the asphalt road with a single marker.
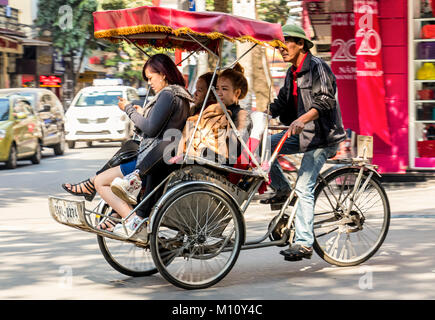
(41, 259)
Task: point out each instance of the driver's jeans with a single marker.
(311, 165)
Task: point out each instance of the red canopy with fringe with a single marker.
(170, 28)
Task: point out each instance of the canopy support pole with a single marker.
(193, 52)
(239, 58)
(131, 42)
(214, 54)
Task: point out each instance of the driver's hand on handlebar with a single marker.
(296, 127)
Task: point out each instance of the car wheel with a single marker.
(36, 158)
(59, 149)
(71, 144)
(12, 160)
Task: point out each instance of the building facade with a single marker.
(377, 48)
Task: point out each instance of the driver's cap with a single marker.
(292, 30)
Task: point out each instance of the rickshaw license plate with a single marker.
(67, 211)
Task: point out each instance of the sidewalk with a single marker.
(408, 179)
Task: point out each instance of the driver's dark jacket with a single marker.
(316, 88)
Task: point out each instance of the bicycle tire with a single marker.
(184, 242)
(342, 252)
(113, 250)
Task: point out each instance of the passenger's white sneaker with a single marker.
(130, 227)
(127, 188)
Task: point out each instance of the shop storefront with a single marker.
(421, 43)
(10, 49)
(376, 51)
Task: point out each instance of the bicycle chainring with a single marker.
(280, 230)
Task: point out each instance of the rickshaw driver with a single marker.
(307, 104)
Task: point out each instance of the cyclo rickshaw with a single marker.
(196, 229)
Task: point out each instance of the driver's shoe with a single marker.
(297, 252)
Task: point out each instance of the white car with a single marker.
(94, 115)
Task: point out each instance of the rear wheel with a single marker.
(71, 144)
(349, 241)
(12, 160)
(36, 158)
(196, 237)
(125, 257)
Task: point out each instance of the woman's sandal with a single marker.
(108, 223)
(85, 188)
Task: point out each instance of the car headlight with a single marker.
(2, 133)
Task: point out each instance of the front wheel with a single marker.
(349, 240)
(196, 237)
(125, 257)
(12, 160)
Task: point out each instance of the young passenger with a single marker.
(210, 138)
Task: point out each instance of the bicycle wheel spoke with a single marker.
(126, 257)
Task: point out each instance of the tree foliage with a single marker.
(70, 28)
(275, 11)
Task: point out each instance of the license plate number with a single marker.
(66, 211)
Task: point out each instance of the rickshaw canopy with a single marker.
(170, 28)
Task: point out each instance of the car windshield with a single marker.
(27, 97)
(4, 109)
(98, 98)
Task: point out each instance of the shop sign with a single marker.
(44, 61)
(87, 77)
(50, 81)
(58, 62)
(369, 71)
(10, 46)
(343, 65)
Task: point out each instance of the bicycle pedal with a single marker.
(293, 258)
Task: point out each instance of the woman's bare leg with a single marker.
(102, 184)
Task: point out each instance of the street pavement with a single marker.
(41, 259)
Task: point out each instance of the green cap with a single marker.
(292, 30)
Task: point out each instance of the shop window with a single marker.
(422, 84)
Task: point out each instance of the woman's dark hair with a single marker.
(207, 79)
(238, 80)
(164, 65)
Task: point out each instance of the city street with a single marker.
(41, 259)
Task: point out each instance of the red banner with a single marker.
(343, 64)
(370, 80)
